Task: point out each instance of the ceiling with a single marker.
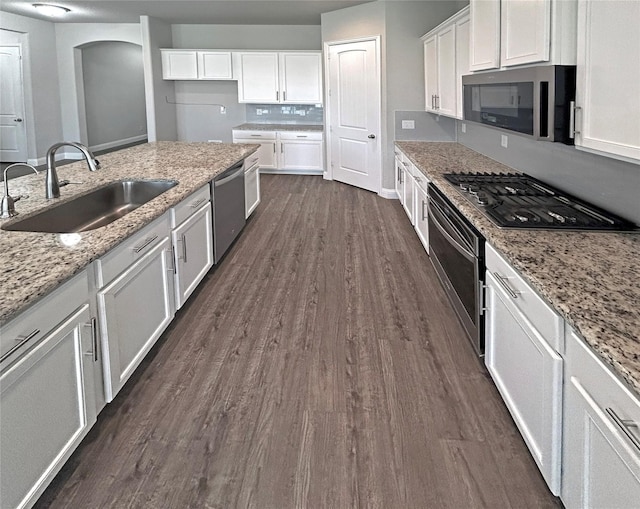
(228, 12)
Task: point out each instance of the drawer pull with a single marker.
(94, 340)
(184, 248)
(256, 135)
(147, 241)
(197, 203)
(625, 425)
(507, 288)
(21, 341)
(301, 136)
(424, 210)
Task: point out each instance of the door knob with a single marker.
(17, 120)
(372, 136)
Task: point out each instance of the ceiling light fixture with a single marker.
(51, 10)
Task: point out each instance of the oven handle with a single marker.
(434, 212)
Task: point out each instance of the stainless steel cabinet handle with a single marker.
(424, 210)
(572, 119)
(146, 242)
(301, 136)
(274, 148)
(277, 95)
(284, 95)
(197, 203)
(174, 263)
(21, 341)
(256, 135)
(282, 148)
(624, 425)
(507, 288)
(94, 339)
(184, 248)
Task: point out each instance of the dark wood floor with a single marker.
(320, 366)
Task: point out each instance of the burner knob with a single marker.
(482, 198)
(464, 186)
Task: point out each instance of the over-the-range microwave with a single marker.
(535, 101)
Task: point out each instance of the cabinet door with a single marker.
(214, 65)
(46, 410)
(301, 78)
(462, 60)
(446, 95)
(528, 374)
(179, 64)
(193, 247)
(399, 179)
(608, 78)
(300, 155)
(251, 189)
(408, 191)
(525, 29)
(134, 310)
(258, 78)
(421, 211)
(431, 72)
(485, 35)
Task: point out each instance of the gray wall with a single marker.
(113, 92)
(400, 25)
(195, 120)
(159, 94)
(40, 74)
(426, 127)
(609, 183)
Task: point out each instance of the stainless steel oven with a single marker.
(457, 253)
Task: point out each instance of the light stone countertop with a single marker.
(34, 264)
(279, 127)
(591, 278)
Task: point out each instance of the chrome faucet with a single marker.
(51, 181)
(7, 205)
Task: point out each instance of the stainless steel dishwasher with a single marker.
(227, 190)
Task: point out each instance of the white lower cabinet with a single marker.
(523, 337)
(408, 186)
(601, 453)
(399, 176)
(47, 407)
(251, 187)
(134, 309)
(421, 211)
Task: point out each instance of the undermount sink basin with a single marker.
(95, 209)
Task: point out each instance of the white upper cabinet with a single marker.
(279, 77)
(196, 65)
(507, 33)
(485, 35)
(608, 79)
(445, 61)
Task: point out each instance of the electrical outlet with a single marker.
(463, 127)
(214, 141)
(408, 124)
(223, 110)
(258, 111)
(504, 141)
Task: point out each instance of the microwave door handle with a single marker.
(467, 254)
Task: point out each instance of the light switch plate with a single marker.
(408, 124)
(463, 128)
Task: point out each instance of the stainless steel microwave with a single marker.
(535, 101)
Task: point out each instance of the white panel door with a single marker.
(13, 134)
(484, 35)
(608, 78)
(179, 64)
(300, 155)
(431, 72)
(301, 78)
(462, 60)
(446, 100)
(258, 81)
(354, 112)
(214, 65)
(525, 28)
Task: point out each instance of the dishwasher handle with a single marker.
(225, 177)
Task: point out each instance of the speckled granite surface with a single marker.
(279, 127)
(33, 264)
(592, 279)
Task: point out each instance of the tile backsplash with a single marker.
(285, 114)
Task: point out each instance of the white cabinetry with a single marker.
(137, 305)
(421, 209)
(508, 33)
(251, 184)
(192, 238)
(608, 78)
(523, 337)
(286, 151)
(445, 61)
(279, 77)
(196, 65)
(47, 392)
(601, 453)
(408, 190)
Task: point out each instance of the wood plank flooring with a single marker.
(320, 366)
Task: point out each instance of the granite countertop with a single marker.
(591, 278)
(279, 127)
(34, 264)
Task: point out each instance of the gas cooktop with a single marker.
(515, 200)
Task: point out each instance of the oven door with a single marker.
(458, 269)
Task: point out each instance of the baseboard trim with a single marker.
(389, 194)
(117, 143)
(291, 172)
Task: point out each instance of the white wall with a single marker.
(161, 115)
(69, 38)
(114, 94)
(40, 74)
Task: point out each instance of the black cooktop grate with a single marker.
(514, 200)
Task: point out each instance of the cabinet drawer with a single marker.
(253, 135)
(123, 255)
(190, 205)
(300, 135)
(544, 318)
(251, 161)
(43, 316)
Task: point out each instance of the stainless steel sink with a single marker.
(95, 209)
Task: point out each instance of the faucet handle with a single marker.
(97, 163)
